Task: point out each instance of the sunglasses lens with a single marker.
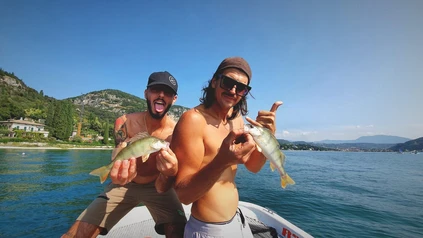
(241, 89)
(229, 83)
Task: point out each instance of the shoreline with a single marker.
(52, 148)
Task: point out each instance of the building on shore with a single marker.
(26, 125)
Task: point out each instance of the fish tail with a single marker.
(285, 180)
(102, 172)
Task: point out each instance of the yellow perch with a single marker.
(139, 148)
(269, 146)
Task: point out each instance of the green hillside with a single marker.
(96, 110)
(18, 100)
(109, 104)
(411, 145)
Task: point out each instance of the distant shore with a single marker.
(26, 146)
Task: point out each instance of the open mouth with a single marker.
(159, 106)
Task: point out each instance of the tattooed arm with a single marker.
(121, 133)
(124, 171)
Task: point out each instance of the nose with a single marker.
(161, 93)
(233, 89)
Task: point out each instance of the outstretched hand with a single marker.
(123, 171)
(266, 118)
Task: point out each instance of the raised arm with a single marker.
(266, 119)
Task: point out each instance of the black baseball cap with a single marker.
(163, 78)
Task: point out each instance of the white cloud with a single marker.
(296, 135)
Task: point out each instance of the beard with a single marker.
(156, 115)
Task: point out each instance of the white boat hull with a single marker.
(139, 223)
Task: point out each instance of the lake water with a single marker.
(337, 194)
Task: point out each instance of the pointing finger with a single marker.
(253, 122)
(275, 106)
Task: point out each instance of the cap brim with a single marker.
(161, 83)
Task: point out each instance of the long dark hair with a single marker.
(208, 99)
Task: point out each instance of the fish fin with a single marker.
(145, 157)
(102, 172)
(272, 166)
(259, 148)
(283, 155)
(285, 180)
(116, 151)
(138, 136)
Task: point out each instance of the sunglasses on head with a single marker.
(228, 83)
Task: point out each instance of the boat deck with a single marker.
(264, 223)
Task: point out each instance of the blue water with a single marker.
(337, 194)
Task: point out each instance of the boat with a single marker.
(263, 223)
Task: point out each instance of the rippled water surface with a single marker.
(337, 194)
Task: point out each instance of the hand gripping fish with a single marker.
(142, 147)
(269, 146)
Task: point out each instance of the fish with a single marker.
(267, 144)
(140, 146)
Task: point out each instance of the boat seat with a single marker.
(260, 230)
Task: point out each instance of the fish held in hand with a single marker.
(139, 148)
(269, 146)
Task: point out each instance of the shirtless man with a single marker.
(135, 182)
(209, 142)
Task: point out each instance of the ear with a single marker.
(174, 99)
(214, 82)
(145, 93)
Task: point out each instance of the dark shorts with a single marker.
(116, 201)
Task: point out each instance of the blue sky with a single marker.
(343, 69)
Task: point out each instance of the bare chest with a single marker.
(213, 139)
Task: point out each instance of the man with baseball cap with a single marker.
(209, 142)
(163, 78)
(135, 182)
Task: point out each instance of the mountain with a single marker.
(282, 141)
(411, 145)
(110, 104)
(17, 100)
(377, 139)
